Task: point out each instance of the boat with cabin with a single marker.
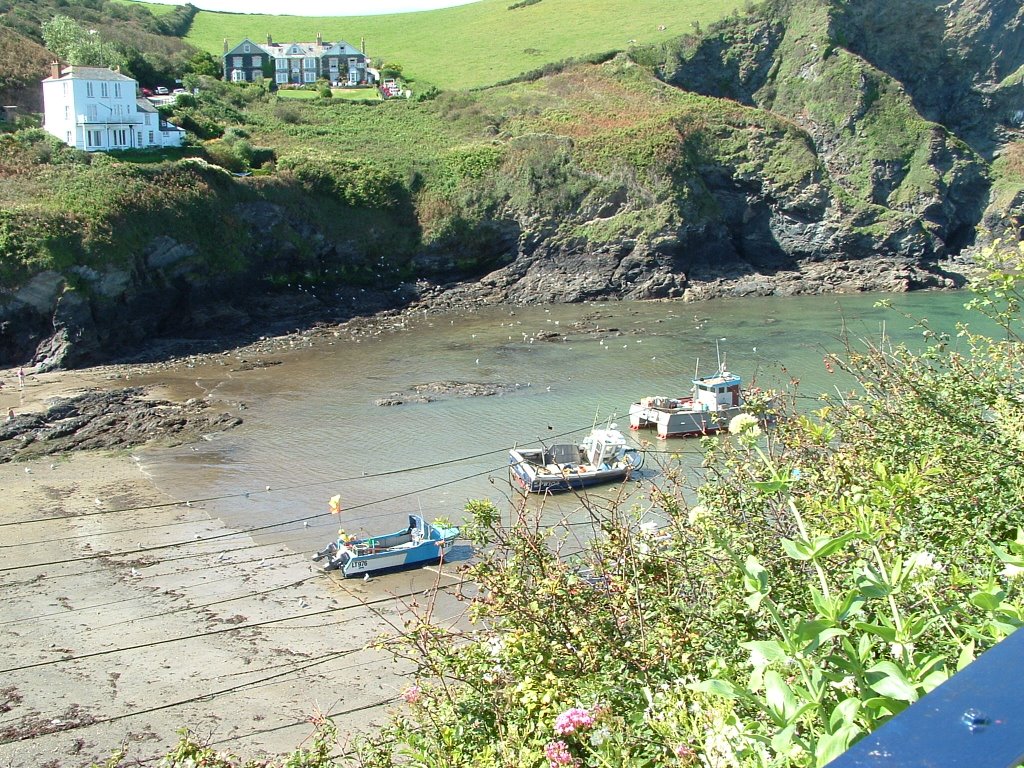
(602, 457)
(420, 542)
(713, 402)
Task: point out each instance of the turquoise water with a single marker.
(312, 428)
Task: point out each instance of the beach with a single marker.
(129, 614)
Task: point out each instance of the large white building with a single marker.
(97, 109)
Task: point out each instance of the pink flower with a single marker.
(573, 720)
(558, 754)
(685, 754)
(412, 694)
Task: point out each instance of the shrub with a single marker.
(819, 578)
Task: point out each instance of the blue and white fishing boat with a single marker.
(420, 542)
(602, 457)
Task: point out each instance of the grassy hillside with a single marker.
(481, 43)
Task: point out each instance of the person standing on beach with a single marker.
(21, 377)
(10, 415)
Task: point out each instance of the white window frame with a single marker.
(281, 63)
(237, 75)
(309, 62)
(309, 77)
(246, 48)
(117, 90)
(282, 77)
(104, 91)
(237, 62)
(257, 60)
(89, 91)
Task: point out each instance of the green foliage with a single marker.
(356, 183)
(818, 579)
(76, 45)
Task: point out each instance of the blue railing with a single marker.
(975, 719)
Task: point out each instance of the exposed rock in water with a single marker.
(428, 393)
(118, 419)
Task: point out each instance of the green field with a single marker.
(477, 44)
(157, 9)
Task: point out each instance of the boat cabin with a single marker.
(715, 393)
(604, 447)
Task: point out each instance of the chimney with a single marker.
(362, 45)
(319, 40)
(270, 40)
(225, 45)
(55, 70)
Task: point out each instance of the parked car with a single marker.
(147, 91)
(178, 91)
(161, 91)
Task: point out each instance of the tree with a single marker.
(204, 63)
(70, 42)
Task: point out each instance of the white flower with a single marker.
(925, 561)
(648, 527)
(697, 514)
(744, 424)
(1012, 571)
(599, 736)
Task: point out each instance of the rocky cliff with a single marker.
(803, 146)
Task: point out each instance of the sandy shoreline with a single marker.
(125, 608)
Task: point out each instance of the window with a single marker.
(120, 137)
(237, 75)
(246, 48)
(257, 74)
(139, 135)
(309, 63)
(148, 118)
(309, 77)
(88, 91)
(67, 112)
(236, 62)
(333, 61)
(91, 113)
(94, 138)
(66, 84)
(282, 63)
(151, 139)
(103, 91)
(282, 77)
(257, 60)
(69, 140)
(117, 90)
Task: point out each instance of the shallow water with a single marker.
(312, 428)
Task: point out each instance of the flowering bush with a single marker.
(817, 580)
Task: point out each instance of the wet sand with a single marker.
(129, 614)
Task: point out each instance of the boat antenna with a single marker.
(718, 352)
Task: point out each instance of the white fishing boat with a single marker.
(603, 457)
(713, 402)
(420, 542)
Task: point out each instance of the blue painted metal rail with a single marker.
(975, 719)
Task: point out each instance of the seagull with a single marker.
(478, 361)
(303, 603)
(99, 502)
(366, 577)
(134, 572)
(222, 556)
(268, 487)
(263, 563)
(53, 466)
(28, 471)
(305, 523)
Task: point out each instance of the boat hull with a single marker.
(532, 480)
(420, 543)
(681, 422)
(427, 552)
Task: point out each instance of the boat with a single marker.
(420, 542)
(714, 401)
(602, 457)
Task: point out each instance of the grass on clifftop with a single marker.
(477, 44)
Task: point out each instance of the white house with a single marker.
(96, 109)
